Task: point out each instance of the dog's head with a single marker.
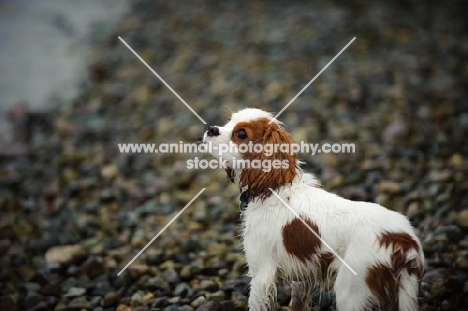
(258, 151)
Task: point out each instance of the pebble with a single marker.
(462, 261)
(186, 272)
(109, 171)
(26, 273)
(136, 300)
(227, 305)
(414, 210)
(438, 288)
(197, 302)
(209, 285)
(101, 288)
(137, 270)
(80, 303)
(390, 187)
(31, 286)
(51, 289)
(93, 266)
(31, 301)
(178, 308)
(462, 219)
(65, 254)
(209, 306)
(217, 296)
(111, 299)
(159, 302)
(183, 290)
(238, 284)
(174, 300)
(171, 276)
(75, 292)
(123, 308)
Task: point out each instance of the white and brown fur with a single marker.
(379, 244)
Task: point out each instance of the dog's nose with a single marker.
(213, 131)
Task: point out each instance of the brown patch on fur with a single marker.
(299, 241)
(383, 285)
(230, 174)
(384, 281)
(402, 243)
(258, 181)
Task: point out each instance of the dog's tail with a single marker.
(409, 277)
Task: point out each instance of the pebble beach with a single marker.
(74, 210)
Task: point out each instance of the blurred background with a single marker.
(74, 210)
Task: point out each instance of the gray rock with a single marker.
(175, 300)
(51, 289)
(238, 284)
(197, 302)
(171, 276)
(65, 254)
(95, 301)
(183, 290)
(136, 299)
(93, 266)
(217, 296)
(209, 306)
(177, 308)
(227, 305)
(462, 261)
(75, 292)
(209, 285)
(159, 302)
(80, 303)
(32, 301)
(111, 299)
(462, 219)
(31, 286)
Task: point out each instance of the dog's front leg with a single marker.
(263, 290)
(301, 296)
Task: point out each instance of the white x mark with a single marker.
(162, 80)
(316, 76)
(162, 230)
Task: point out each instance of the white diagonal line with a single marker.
(312, 230)
(316, 76)
(162, 230)
(162, 80)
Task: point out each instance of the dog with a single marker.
(294, 230)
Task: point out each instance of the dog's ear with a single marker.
(276, 136)
(230, 174)
(258, 180)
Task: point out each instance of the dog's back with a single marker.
(376, 243)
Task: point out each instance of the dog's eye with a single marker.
(241, 134)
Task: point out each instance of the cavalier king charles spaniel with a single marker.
(294, 230)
